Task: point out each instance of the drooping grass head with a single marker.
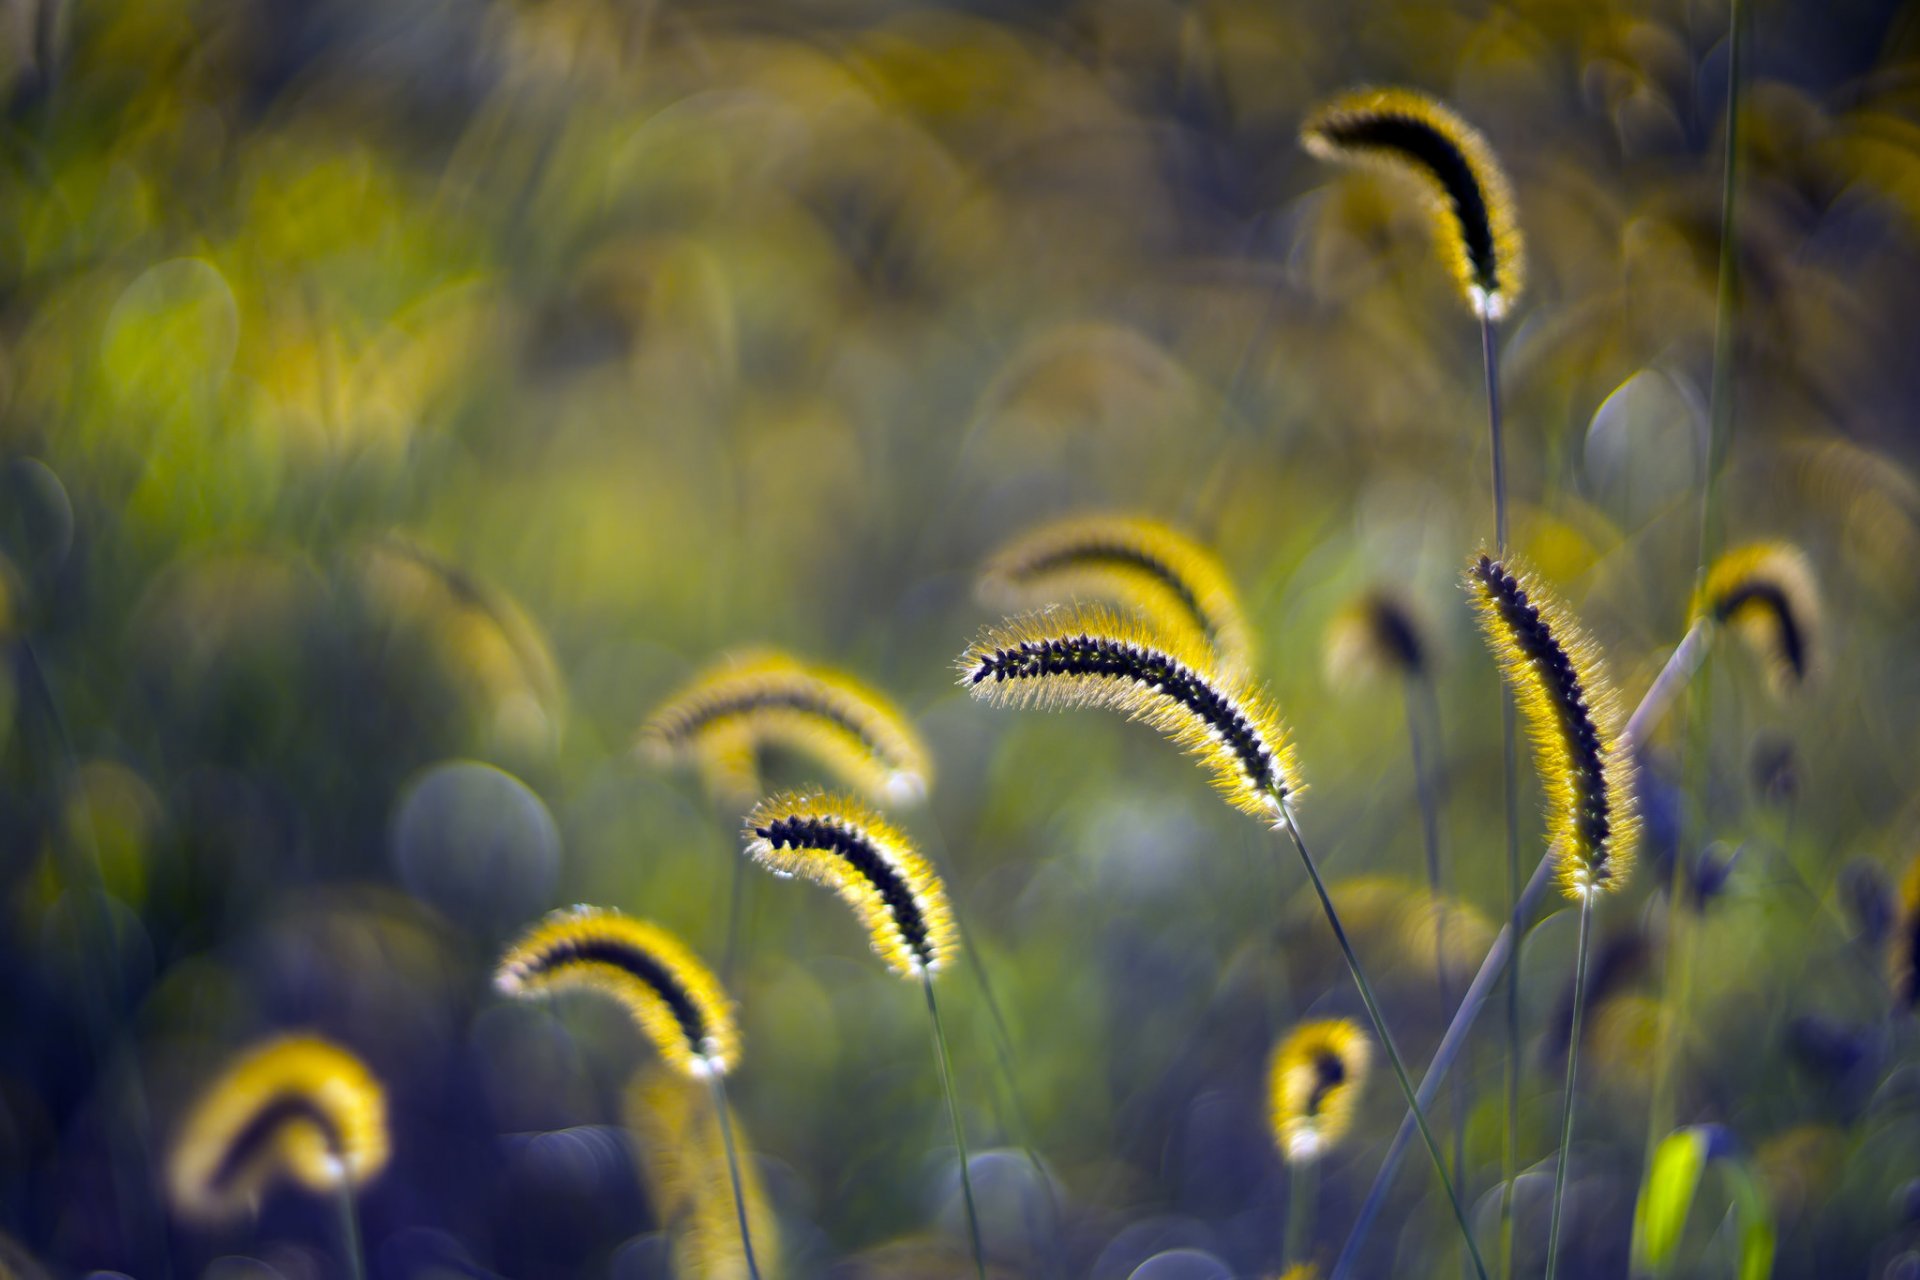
(1406, 132)
(1089, 656)
(728, 714)
(1767, 591)
(835, 841)
(675, 1000)
(1314, 1083)
(1573, 719)
(1377, 636)
(296, 1109)
(1177, 584)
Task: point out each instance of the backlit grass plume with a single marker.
(683, 1158)
(1573, 719)
(1403, 131)
(1314, 1082)
(1767, 591)
(835, 841)
(1089, 656)
(1376, 636)
(1174, 581)
(763, 698)
(677, 1003)
(296, 1109)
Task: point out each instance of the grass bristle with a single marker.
(1404, 131)
(1089, 656)
(1572, 717)
(674, 999)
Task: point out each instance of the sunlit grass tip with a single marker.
(835, 841)
(295, 1108)
(1177, 583)
(1768, 592)
(1404, 131)
(1090, 656)
(763, 698)
(1314, 1084)
(1573, 718)
(1376, 636)
(676, 1001)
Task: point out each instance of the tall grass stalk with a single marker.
(1380, 1029)
(1303, 1193)
(1680, 664)
(719, 1088)
(349, 1224)
(1573, 1066)
(953, 1114)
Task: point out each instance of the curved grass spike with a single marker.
(1089, 656)
(1767, 591)
(1403, 131)
(1573, 719)
(1314, 1084)
(296, 1109)
(1376, 636)
(1314, 1080)
(835, 842)
(673, 998)
(764, 698)
(1174, 581)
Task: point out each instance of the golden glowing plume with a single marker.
(1376, 636)
(1088, 656)
(1573, 719)
(1767, 591)
(763, 698)
(676, 1001)
(833, 841)
(684, 1162)
(1406, 132)
(1313, 1085)
(297, 1109)
(1177, 584)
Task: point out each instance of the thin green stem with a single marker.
(1726, 298)
(349, 1219)
(1303, 1194)
(1490, 363)
(736, 921)
(953, 1114)
(1380, 1029)
(720, 1110)
(1573, 1066)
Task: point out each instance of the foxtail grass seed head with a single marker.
(763, 698)
(1403, 131)
(834, 841)
(682, 1155)
(296, 1109)
(1089, 656)
(1173, 581)
(1314, 1083)
(1376, 636)
(673, 997)
(1573, 719)
(1767, 591)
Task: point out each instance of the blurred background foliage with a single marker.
(398, 400)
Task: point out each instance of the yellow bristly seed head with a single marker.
(1374, 637)
(1572, 717)
(834, 841)
(1314, 1084)
(1178, 585)
(1088, 656)
(1767, 591)
(296, 1108)
(760, 699)
(673, 997)
(683, 1159)
(1905, 944)
(1407, 132)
